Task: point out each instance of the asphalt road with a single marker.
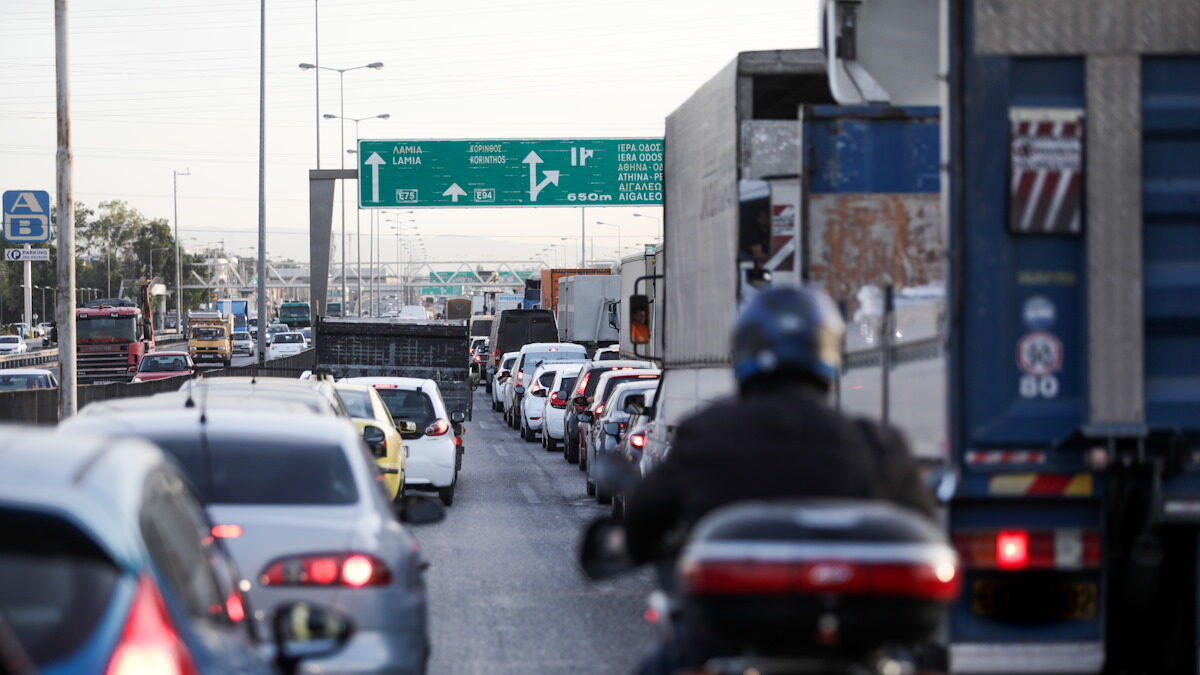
(505, 591)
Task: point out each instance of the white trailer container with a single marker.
(586, 311)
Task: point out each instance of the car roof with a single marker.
(558, 365)
(25, 371)
(260, 400)
(274, 424)
(617, 363)
(633, 372)
(94, 481)
(420, 384)
(168, 352)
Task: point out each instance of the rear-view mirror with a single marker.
(307, 631)
(420, 510)
(639, 319)
(635, 404)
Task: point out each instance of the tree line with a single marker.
(115, 246)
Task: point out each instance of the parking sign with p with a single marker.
(26, 216)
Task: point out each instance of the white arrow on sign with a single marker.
(454, 192)
(535, 188)
(374, 161)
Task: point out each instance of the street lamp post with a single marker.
(598, 222)
(357, 211)
(178, 249)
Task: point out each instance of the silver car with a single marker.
(244, 343)
(295, 498)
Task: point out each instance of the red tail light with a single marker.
(520, 376)
(149, 642)
(227, 531)
(599, 410)
(1012, 550)
(557, 401)
(439, 427)
(638, 440)
(582, 384)
(918, 580)
(347, 569)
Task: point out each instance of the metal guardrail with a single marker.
(49, 356)
(917, 350)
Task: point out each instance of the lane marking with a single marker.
(500, 451)
(530, 495)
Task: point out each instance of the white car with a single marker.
(531, 356)
(501, 379)
(610, 353)
(537, 395)
(432, 463)
(12, 344)
(286, 344)
(275, 329)
(553, 417)
(26, 378)
(244, 343)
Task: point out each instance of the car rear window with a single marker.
(162, 364)
(64, 583)
(594, 375)
(532, 358)
(230, 470)
(289, 338)
(409, 405)
(608, 356)
(565, 385)
(614, 381)
(10, 382)
(357, 402)
(508, 363)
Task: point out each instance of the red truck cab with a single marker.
(110, 342)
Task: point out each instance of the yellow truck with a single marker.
(210, 337)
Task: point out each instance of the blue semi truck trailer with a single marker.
(1073, 186)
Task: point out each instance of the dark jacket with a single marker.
(782, 442)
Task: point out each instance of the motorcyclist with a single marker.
(779, 437)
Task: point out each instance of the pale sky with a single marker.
(163, 85)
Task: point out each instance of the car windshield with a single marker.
(277, 328)
(293, 311)
(64, 582)
(120, 329)
(239, 470)
(357, 402)
(241, 336)
(408, 405)
(11, 382)
(163, 364)
(208, 334)
(289, 338)
(9, 339)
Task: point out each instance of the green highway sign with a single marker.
(469, 277)
(491, 173)
(441, 290)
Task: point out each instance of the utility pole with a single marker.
(262, 184)
(65, 265)
(178, 252)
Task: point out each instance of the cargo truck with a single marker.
(381, 348)
(110, 341)
(1073, 190)
(210, 337)
(586, 311)
(238, 309)
(548, 286)
(791, 189)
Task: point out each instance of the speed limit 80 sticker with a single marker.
(1039, 357)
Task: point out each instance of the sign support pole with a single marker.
(583, 237)
(28, 294)
(64, 306)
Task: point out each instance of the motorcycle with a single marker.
(813, 587)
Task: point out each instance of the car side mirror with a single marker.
(503, 375)
(376, 441)
(307, 631)
(635, 404)
(420, 510)
(584, 416)
(520, 389)
(580, 400)
(458, 417)
(612, 428)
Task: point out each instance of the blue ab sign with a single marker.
(27, 216)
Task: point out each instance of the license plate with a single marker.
(1034, 599)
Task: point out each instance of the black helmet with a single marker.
(788, 331)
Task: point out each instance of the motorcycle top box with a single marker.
(806, 576)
